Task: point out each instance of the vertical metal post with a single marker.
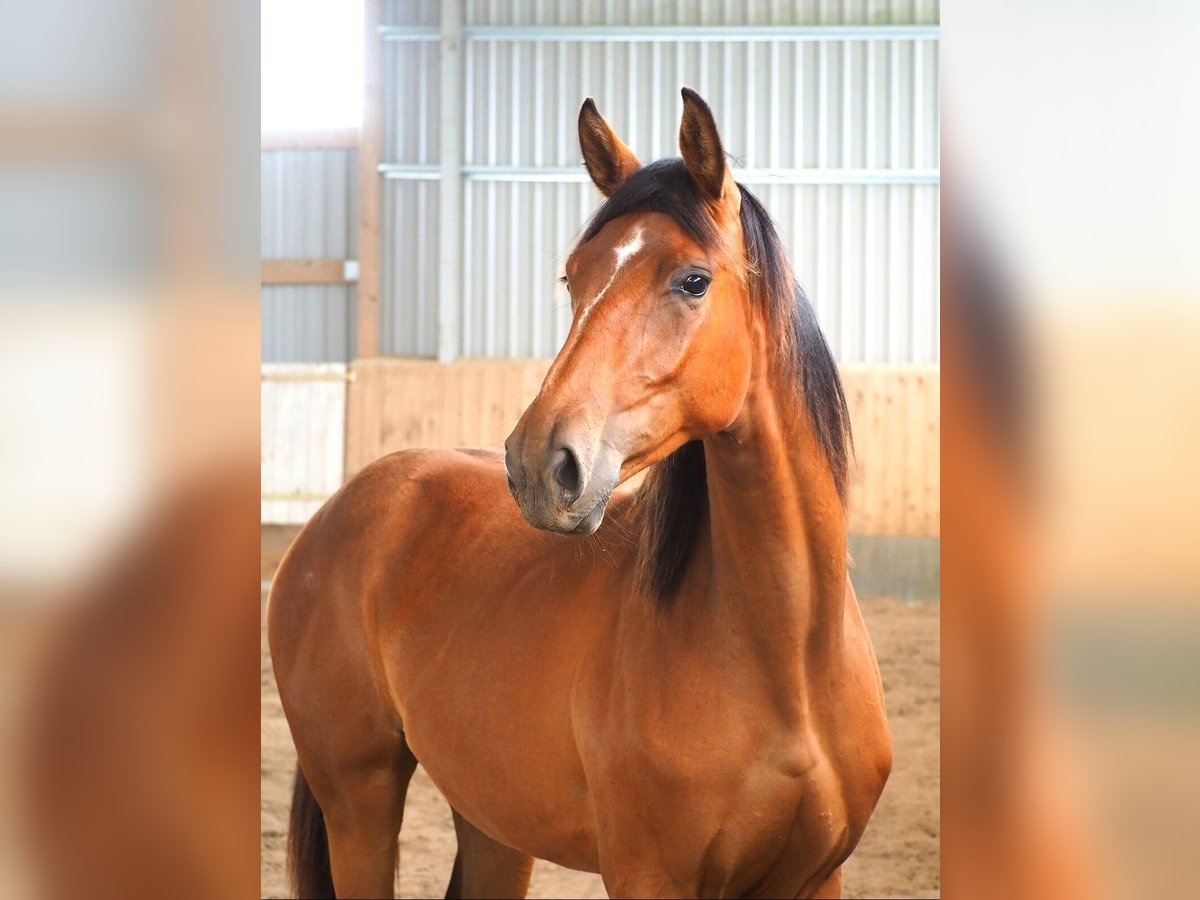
(450, 242)
(368, 185)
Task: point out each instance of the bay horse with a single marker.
(692, 707)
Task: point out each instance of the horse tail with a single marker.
(308, 844)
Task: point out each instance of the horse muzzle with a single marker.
(562, 484)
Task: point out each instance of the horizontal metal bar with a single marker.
(574, 175)
(410, 172)
(666, 33)
(838, 176)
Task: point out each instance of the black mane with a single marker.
(674, 496)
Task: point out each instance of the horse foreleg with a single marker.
(485, 868)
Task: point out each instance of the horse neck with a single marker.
(778, 526)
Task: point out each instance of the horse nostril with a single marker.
(566, 474)
(508, 471)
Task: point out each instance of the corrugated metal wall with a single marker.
(858, 117)
(838, 138)
(308, 211)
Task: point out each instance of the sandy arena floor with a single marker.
(898, 855)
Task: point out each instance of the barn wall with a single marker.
(855, 119)
(307, 209)
(396, 404)
(303, 438)
(838, 138)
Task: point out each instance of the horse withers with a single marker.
(693, 707)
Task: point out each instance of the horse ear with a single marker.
(608, 160)
(701, 147)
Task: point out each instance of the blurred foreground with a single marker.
(1071, 404)
(128, 435)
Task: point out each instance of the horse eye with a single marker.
(695, 285)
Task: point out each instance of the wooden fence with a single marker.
(393, 404)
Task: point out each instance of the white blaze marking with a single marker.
(624, 252)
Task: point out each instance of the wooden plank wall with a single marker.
(394, 404)
(895, 482)
(303, 410)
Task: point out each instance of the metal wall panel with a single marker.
(409, 284)
(411, 103)
(675, 12)
(308, 210)
(412, 12)
(859, 114)
(308, 323)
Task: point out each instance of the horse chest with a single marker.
(729, 790)
(763, 828)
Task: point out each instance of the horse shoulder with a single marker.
(384, 511)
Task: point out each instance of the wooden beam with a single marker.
(369, 183)
(312, 139)
(71, 135)
(304, 271)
